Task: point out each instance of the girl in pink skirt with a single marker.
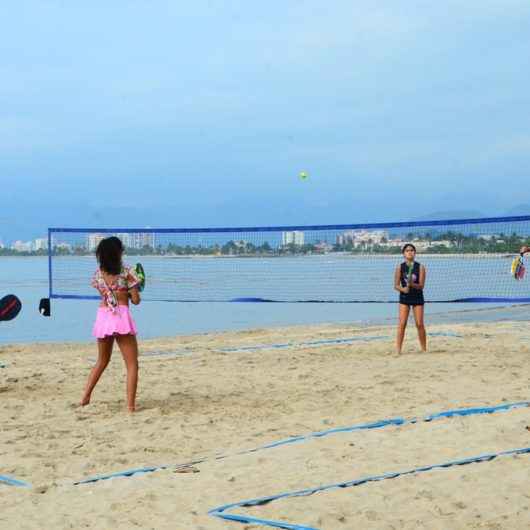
(117, 284)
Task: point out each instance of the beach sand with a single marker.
(197, 402)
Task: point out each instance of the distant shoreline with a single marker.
(342, 255)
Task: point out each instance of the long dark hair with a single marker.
(109, 254)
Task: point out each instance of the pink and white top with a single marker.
(127, 279)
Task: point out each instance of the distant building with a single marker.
(345, 238)
(40, 243)
(130, 240)
(421, 245)
(93, 241)
(292, 238)
(138, 240)
(322, 247)
(22, 246)
(362, 237)
(63, 246)
(442, 243)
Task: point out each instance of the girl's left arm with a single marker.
(134, 295)
(132, 286)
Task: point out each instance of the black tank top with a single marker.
(414, 296)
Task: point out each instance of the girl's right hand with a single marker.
(405, 290)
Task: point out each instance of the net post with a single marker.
(50, 289)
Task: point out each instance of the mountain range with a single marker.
(30, 227)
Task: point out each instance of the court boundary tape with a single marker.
(286, 345)
(398, 421)
(309, 344)
(168, 354)
(325, 342)
(10, 481)
(219, 512)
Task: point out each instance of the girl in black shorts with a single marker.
(409, 280)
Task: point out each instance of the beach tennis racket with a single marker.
(410, 268)
(139, 270)
(10, 307)
(518, 268)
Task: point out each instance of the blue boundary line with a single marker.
(13, 482)
(451, 334)
(165, 353)
(259, 347)
(318, 343)
(128, 473)
(137, 471)
(315, 344)
(154, 355)
(398, 421)
(219, 512)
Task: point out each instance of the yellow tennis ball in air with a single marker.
(303, 175)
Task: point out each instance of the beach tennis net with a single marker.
(467, 260)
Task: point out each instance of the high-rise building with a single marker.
(22, 246)
(93, 241)
(358, 237)
(293, 238)
(40, 243)
(131, 240)
(140, 240)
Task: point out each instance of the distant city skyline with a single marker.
(489, 236)
(445, 215)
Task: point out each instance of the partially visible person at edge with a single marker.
(117, 283)
(409, 281)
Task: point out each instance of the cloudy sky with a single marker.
(203, 113)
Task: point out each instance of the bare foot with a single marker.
(84, 401)
(131, 410)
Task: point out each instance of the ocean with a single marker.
(72, 320)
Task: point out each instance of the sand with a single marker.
(197, 402)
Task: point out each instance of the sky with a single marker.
(192, 114)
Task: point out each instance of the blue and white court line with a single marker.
(13, 482)
(295, 439)
(220, 512)
(311, 344)
(327, 342)
(156, 354)
(445, 334)
(137, 471)
(165, 353)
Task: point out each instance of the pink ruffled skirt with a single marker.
(108, 323)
